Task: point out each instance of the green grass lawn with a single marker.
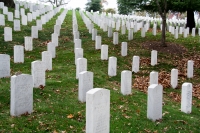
(56, 107)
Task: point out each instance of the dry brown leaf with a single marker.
(70, 116)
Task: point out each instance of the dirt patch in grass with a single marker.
(171, 48)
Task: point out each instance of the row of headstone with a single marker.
(153, 57)
(34, 29)
(85, 78)
(126, 77)
(97, 100)
(39, 67)
(24, 83)
(136, 23)
(155, 97)
(98, 105)
(123, 49)
(154, 111)
(29, 17)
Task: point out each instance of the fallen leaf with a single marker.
(70, 116)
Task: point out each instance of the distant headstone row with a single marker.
(22, 84)
(97, 112)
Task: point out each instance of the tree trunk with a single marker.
(163, 31)
(8, 3)
(190, 19)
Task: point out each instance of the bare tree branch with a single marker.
(56, 2)
(64, 3)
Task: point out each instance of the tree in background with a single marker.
(187, 5)
(160, 6)
(8, 3)
(94, 5)
(124, 7)
(78, 8)
(56, 2)
(110, 10)
(163, 7)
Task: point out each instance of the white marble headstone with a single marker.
(29, 17)
(91, 26)
(47, 60)
(58, 22)
(51, 48)
(16, 6)
(185, 33)
(181, 30)
(98, 42)
(7, 34)
(17, 14)
(98, 111)
(21, 99)
(34, 32)
(78, 54)
(38, 73)
(153, 78)
(154, 102)
(94, 34)
(115, 38)
(17, 25)
(154, 57)
(77, 44)
(193, 32)
(104, 52)
(105, 27)
(4, 65)
(1, 5)
(176, 33)
(28, 42)
(34, 13)
(54, 39)
(126, 82)
(39, 24)
(85, 83)
(75, 27)
(10, 16)
(22, 11)
(81, 65)
(112, 66)
(76, 35)
(123, 29)
(143, 32)
(5, 10)
(57, 29)
(130, 34)
(24, 20)
(124, 48)
(135, 64)
(113, 24)
(2, 20)
(186, 98)
(190, 68)
(18, 54)
(174, 78)
(110, 32)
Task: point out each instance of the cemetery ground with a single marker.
(56, 106)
